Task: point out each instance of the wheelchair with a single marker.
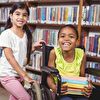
(42, 90)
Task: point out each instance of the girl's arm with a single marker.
(83, 64)
(50, 79)
(51, 63)
(11, 59)
(87, 90)
(37, 45)
(52, 58)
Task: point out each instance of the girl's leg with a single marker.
(66, 98)
(12, 97)
(73, 97)
(16, 89)
(82, 98)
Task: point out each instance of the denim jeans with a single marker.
(73, 97)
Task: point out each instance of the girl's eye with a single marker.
(25, 15)
(71, 36)
(62, 36)
(17, 14)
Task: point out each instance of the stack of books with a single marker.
(75, 85)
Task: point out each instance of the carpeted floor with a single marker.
(3, 94)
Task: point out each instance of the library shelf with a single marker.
(93, 58)
(44, 2)
(95, 72)
(9, 4)
(88, 28)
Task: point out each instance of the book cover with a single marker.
(75, 85)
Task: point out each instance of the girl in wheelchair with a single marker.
(69, 60)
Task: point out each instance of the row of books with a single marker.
(59, 14)
(91, 15)
(4, 13)
(66, 14)
(91, 42)
(54, 14)
(93, 65)
(48, 35)
(36, 60)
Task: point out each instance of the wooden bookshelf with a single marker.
(9, 4)
(93, 58)
(94, 28)
(44, 2)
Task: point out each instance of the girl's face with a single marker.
(19, 17)
(67, 39)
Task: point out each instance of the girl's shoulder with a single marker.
(52, 51)
(6, 32)
(79, 53)
(57, 49)
(79, 50)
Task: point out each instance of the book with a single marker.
(75, 85)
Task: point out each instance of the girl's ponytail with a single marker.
(8, 24)
(29, 43)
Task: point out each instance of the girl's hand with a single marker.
(29, 79)
(37, 45)
(64, 88)
(88, 90)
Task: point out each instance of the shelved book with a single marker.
(95, 65)
(91, 42)
(75, 85)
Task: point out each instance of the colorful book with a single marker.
(75, 85)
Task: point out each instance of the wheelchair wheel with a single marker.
(46, 93)
(32, 94)
(35, 92)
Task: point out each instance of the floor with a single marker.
(3, 94)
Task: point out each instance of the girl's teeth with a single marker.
(66, 44)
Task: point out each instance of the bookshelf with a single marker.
(52, 25)
(91, 34)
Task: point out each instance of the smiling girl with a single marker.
(16, 42)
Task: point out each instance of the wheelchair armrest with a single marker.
(50, 70)
(54, 71)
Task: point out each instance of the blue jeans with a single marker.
(73, 97)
